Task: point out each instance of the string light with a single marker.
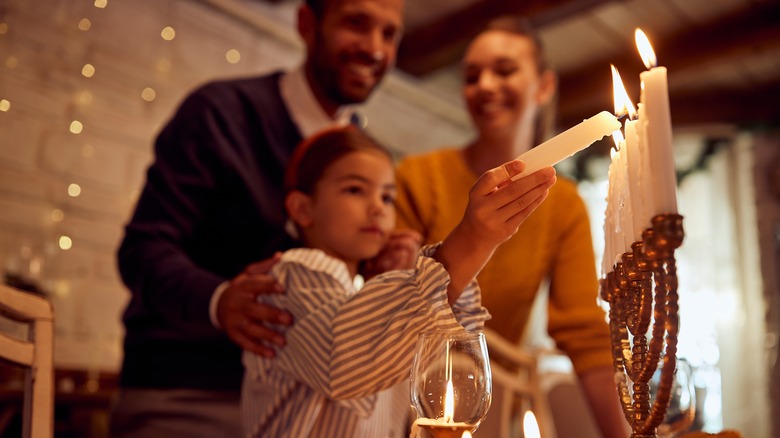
(3, 28)
(85, 24)
(163, 65)
(88, 70)
(5, 105)
(233, 56)
(148, 94)
(101, 3)
(65, 242)
(11, 62)
(168, 33)
(84, 97)
(76, 127)
(57, 215)
(74, 190)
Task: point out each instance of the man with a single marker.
(213, 206)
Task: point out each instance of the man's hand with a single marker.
(245, 320)
(400, 252)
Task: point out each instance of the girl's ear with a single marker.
(299, 208)
(548, 82)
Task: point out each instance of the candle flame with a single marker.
(466, 434)
(530, 426)
(449, 402)
(645, 49)
(623, 104)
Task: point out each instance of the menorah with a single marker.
(642, 290)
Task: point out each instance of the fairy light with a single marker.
(84, 97)
(85, 24)
(11, 62)
(88, 70)
(163, 65)
(65, 242)
(3, 28)
(57, 215)
(168, 33)
(76, 127)
(5, 105)
(148, 94)
(101, 3)
(74, 190)
(233, 56)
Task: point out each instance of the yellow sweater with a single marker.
(553, 243)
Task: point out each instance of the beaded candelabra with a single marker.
(642, 290)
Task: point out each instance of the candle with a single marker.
(568, 142)
(655, 128)
(443, 427)
(637, 193)
(530, 426)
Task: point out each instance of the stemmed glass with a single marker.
(451, 383)
(682, 404)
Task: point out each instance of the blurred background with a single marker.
(85, 86)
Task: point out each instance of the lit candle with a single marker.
(637, 193)
(655, 128)
(530, 426)
(568, 142)
(442, 427)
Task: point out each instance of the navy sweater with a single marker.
(212, 204)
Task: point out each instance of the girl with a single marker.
(345, 369)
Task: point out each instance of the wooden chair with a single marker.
(516, 388)
(35, 354)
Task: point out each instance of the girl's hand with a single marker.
(400, 252)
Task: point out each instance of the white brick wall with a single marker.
(42, 52)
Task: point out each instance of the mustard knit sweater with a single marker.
(553, 243)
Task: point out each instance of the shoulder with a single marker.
(222, 90)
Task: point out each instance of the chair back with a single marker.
(35, 354)
(516, 388)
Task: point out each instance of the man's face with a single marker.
(351, 47)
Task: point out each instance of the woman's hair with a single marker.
(314, 155)
(520, 25)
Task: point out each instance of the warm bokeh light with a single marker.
(148, 94)
(101, 3)
(88, 70)
(530, 426)
(11, 62)
(623, 103)
(3, 28)
(74, 190)
(65, 243)
(76, 127)
(168, 33)
(233, 56)
(87, 150)
(85, 24)
(5, 105)
(57, 215)
(645, 49)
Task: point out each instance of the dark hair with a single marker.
(520, 25)
(317, 7)
(314, 155)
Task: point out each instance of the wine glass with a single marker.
(451, 383)
(682, 404)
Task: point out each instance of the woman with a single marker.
(506, 83)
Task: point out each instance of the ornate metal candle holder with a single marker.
(634, 305)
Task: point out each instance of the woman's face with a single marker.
(502, 84)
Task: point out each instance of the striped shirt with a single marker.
(345, 369)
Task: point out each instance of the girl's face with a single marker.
(352, 211)
(502, 83)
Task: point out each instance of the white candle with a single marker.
(638, 191)
(568, 142)
(656, 126)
